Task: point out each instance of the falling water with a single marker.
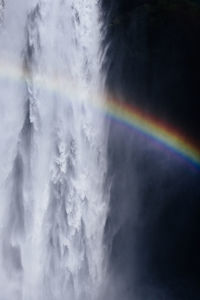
(52, 151)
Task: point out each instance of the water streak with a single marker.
(52, 150)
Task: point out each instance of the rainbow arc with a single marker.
(112, 108)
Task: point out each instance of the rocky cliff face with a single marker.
(153, 62)
(153, 59)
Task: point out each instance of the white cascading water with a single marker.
(52, 151)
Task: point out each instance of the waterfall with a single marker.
(52, 150)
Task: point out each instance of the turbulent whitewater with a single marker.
(52, 151)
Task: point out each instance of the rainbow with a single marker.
(154, 128)
(118, 110)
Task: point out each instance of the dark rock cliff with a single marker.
(153, 61)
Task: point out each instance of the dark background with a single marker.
(153, 227)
